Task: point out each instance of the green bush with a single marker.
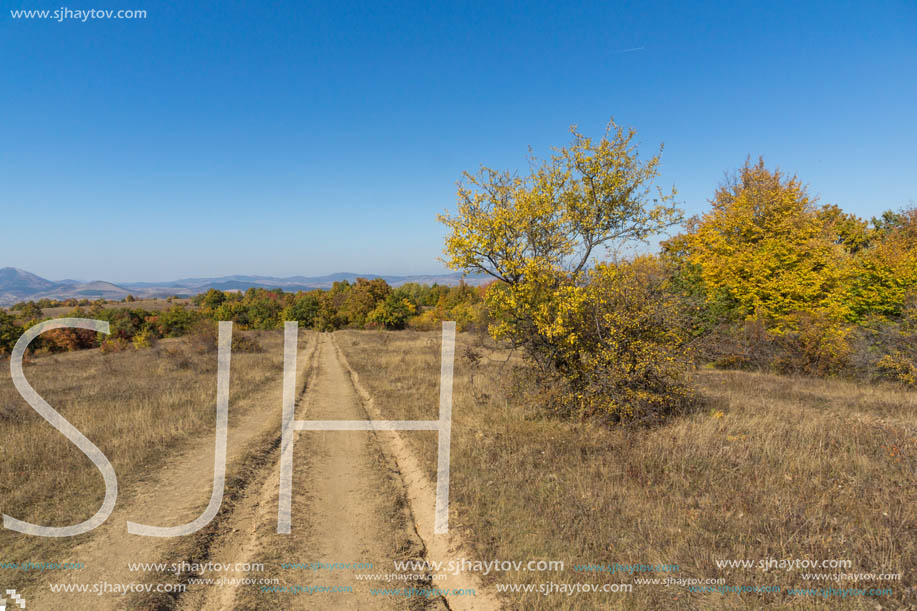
(176, 321)
(393, 313)
(304, 309)
(9, 332)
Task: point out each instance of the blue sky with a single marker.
(215, 138)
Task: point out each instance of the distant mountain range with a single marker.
(19, 285)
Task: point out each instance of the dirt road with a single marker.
(359, 498)
(176, 494)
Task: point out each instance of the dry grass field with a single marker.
(140, 407)
(772, 467)
(153, 305)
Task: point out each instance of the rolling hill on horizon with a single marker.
(20, 285)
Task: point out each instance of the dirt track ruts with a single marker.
(351, 478)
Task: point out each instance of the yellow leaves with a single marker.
(581, 197)
(886, 270)
(898, 367)
(765, 246)
(604, 330)
(144, 339)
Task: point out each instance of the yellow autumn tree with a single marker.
(539, 236)
(886, 268)
(769, 250)
(818, 282)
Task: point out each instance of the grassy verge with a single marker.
(783, 468)
(137, 406)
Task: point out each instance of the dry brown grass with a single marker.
(153, 305)
(138, 406)
(775, 467)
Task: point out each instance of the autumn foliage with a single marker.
(601, 336)
(781, 282)
(769, 278)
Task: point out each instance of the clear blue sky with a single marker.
(280, 138)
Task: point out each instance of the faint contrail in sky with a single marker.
(629, 50)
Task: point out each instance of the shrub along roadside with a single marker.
(601, 336)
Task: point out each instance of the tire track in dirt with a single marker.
(349, 489)
(368, 502)
(421, 493)
(349, 515)
(242, 538)
(176, 494)
(355, 482)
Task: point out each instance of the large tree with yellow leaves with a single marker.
(539, 235)
(765, 246)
